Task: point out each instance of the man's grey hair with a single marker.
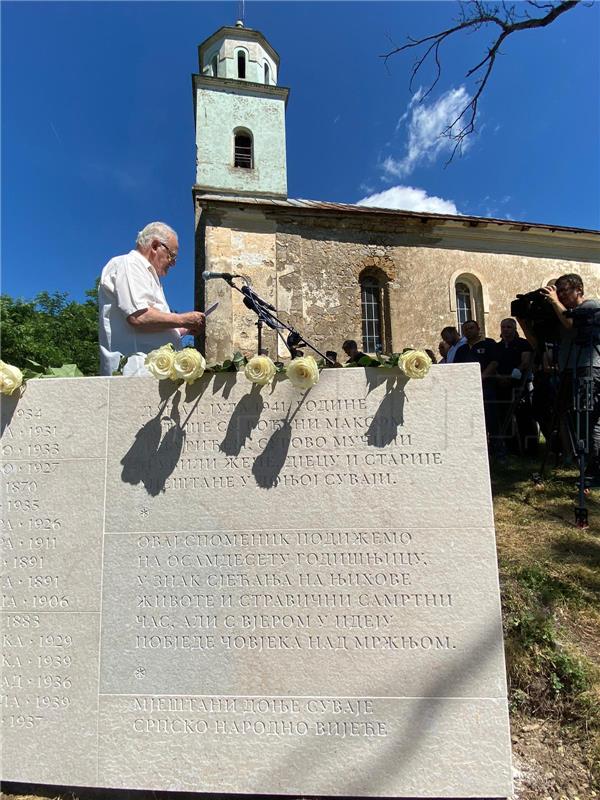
(154, 230)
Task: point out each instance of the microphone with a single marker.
(227, 276)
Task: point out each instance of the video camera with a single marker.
(534, 308)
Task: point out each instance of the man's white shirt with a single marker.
(129, 283)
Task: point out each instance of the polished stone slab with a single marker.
(221, 588)
(427, 607)
(51, 529)
(390, 747)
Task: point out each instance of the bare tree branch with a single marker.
(507, 19)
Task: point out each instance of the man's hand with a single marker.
(192, 321)
(559, 308)
(154, 321)
(550, 295)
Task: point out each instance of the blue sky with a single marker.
(98, 129)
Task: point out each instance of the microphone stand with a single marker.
(266, 314)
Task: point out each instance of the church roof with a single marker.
(240, 33)
(425, 216)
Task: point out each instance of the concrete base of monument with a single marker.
(227, 589)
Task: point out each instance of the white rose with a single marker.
(303, 372)
(189, 364)
(160, 362)
(414, 363)
(10, 378)
(260, 370)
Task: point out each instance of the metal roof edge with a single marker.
(303, 205)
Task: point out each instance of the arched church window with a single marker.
(464, 304)
(374, 311)
(243, 155)
(468, 298)
(241, 64)
(215, 66)
(267, 76)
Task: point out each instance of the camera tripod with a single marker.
(580, 417)
(520, 393)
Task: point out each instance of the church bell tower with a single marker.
(240, 116)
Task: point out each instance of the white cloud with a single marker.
(413, 102)
(425, 128)
(409, 198)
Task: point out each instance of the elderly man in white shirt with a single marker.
(135, 317)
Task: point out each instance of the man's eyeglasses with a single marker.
(172, 255)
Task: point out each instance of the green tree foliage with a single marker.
(51, 331)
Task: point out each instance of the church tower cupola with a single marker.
(240, 115)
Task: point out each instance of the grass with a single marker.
(550, 582)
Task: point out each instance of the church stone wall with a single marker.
(250, 252)
(310, 270)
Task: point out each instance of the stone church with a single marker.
(388, 278)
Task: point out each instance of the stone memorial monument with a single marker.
(227, 588)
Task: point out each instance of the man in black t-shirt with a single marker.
(477, 349)
(513, 352)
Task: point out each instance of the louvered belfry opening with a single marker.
(243, 151)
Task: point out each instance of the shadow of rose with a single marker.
(269, 463)
(390, 413)
(153, 455)
(225, 381)
(242, 422)
(8, 407)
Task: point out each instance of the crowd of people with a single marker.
(533, 384)
(546, 381)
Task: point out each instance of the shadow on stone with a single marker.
(376, 376)
(242, 422)
(8, 406)
(390, 414)
(194, 391)
(193, 394)
(439, 687)
(153, 457)
(226, 381)
(269, 463)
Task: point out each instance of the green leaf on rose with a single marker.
(66, 371)
(367, 361)
(239, 359)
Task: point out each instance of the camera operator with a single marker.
(575, 357)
